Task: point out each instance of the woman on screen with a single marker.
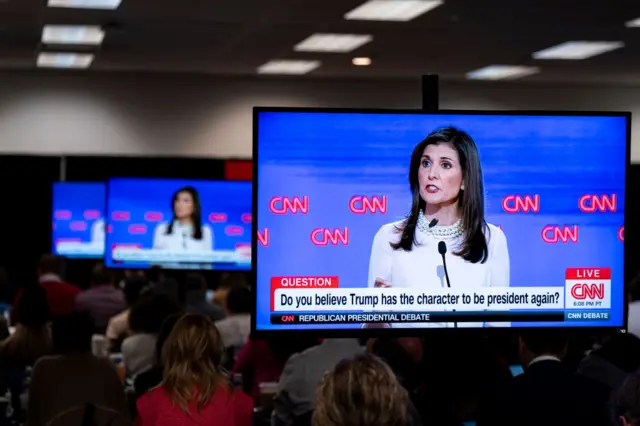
(447, 206)
(185, 232)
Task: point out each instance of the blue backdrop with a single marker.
(330, 157)
(138, 202)
(71, 200)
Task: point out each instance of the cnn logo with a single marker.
(326, 236)
(362, 205)
(284, 205)
(587, 291)
(556, 234)
(589, 203)
(518, 204)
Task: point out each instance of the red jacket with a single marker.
(224, 409)
(61, 297)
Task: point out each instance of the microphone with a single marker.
(442, 249)
(184, 239)
(433, 223)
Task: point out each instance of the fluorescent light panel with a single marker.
(288, 66)
(392, 10)
(634, 23)
(502, 72)
(361, 62)
(340, 43)
(86, 4)
(76, 34)
(65, 60)
(577, 50)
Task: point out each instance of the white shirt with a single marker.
(544, 358)
(235, 330)
(422, 266)
(97, 232)
(181, 238)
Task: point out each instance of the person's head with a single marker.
(634, 289)
(362, 391)
(150, 312)
(196, 283)
(72, 333)
(535, 343)
(100, 275)
(50, 264)
(133, 287)
(626, 402)
(192, 359)
(155, 274)
(445, 171)
(33, 307)
(186, 209)
(239, 300)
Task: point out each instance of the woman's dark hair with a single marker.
(150, 312)
(196, 216)
(471, 201)
(239, 300)
(165, 330)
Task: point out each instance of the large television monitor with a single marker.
(179, 224)
(374, 220)
(78, 226)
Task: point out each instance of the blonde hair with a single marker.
(362, 391)
(192, 358)
(27, 344)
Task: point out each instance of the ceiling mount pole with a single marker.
(430, 93)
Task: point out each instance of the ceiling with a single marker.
(234, 37)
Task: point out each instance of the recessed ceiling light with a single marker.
(392, 10)
(502, 72)
(72, 34)
(361, 62)
(86, 4)
(65, 60)
(288, 66)
(634, 23)
(332, 43)
(576, 50)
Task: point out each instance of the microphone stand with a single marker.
(442, 249)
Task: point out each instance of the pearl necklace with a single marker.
(439, 232)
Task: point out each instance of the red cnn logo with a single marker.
(263, 237)
(283, 205)
(362, 205)
(591, 203)
(621, 234)
(554, 234)
(324, 236)
(288, 318)
(587, 291)
(517, 204)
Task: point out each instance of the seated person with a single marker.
(118, 327)
(73, 377)
(236, 326)
(547, 393)
(626, 402)
(102, 300)
(145, 321)
(362, 391)
(195, 390)
(196, 298)
(303, 372)
(60, 294)
(610, 364)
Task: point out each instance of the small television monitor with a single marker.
(78, 227)
(396, 220)
(178, 224)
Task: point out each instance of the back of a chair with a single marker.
(90, 415)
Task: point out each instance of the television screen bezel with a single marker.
(108, 222)
(406, 332)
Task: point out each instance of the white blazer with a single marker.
(422, 266)
(181, 238)
(97, 232)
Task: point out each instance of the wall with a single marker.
(199, 116)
